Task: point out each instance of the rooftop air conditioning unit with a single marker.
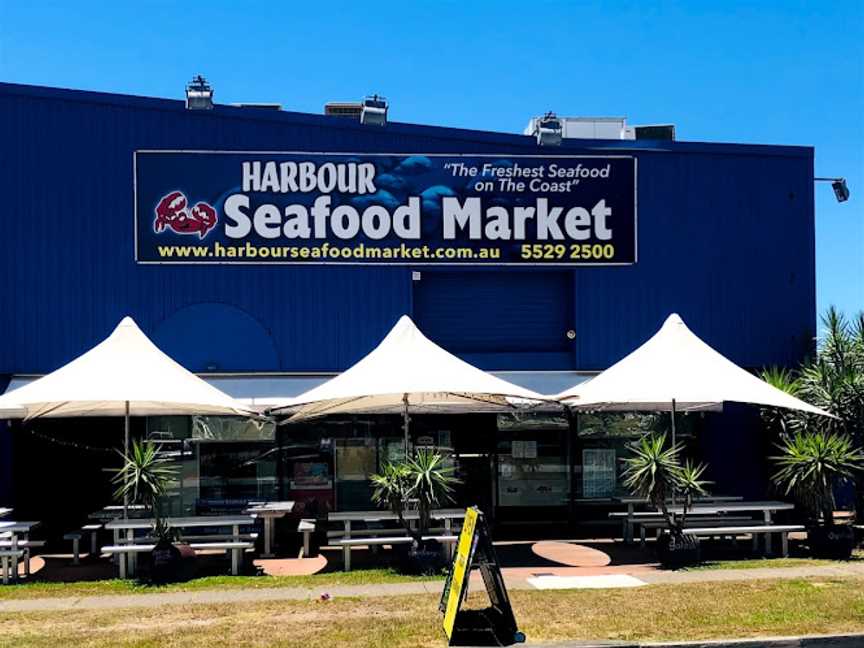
(351, 109)
(655, 132)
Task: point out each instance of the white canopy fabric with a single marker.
(124, 368)
(676, 365)
(408, 369)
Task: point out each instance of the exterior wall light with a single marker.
(199, 94)
(548, 130)
(374, 111)
(841, 189)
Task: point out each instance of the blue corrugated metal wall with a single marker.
(726, 238)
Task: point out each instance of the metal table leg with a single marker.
(767, 516)
(628, 524)
(268, 537)
(131, 558)
(346, 549)
(14, 560)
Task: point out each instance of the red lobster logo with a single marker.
(171, 212)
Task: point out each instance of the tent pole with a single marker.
(405, 421)
(674, 437)
(126, 453)
(674, 440)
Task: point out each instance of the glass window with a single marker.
(235, 473)
(533, 469)
(222, 463)
(604, 439)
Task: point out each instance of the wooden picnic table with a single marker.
(16, 532)
(202, 521)
(767, 508)
(269, 511)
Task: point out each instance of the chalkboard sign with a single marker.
(495, 625)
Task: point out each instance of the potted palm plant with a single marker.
(145, 477)
(810, 465)
(833, 380)
(424, 483)
(656, 473)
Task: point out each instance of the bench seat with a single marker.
(659, 525)
(22, 544)
(392, 531)
(191, 539)
(235, 547)
(754, 529)
(347, 543)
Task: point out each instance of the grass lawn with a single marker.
(692, 611)
(105, 587)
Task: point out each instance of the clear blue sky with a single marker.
(781, 72)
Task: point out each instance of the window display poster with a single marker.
(524, 449)
(355, 462)
(311, 474)
(599, 476)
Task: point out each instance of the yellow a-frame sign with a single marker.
(475, 550)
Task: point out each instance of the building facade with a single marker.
(725, 238)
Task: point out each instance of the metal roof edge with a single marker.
(403, 128)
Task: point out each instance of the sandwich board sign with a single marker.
(467, 627)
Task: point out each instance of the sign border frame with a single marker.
(395, 264)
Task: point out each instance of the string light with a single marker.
(70, 444)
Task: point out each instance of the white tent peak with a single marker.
(673, 319)
(407, 365)
(675, 364)
(124, 367)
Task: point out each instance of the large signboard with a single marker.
(423, 209)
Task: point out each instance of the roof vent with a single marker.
(374, 111)
(199, 94)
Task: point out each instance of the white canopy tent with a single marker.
(407, 371)
(676, 371)
(124, 375)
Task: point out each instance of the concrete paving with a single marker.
(515, 579)
(813, 641)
